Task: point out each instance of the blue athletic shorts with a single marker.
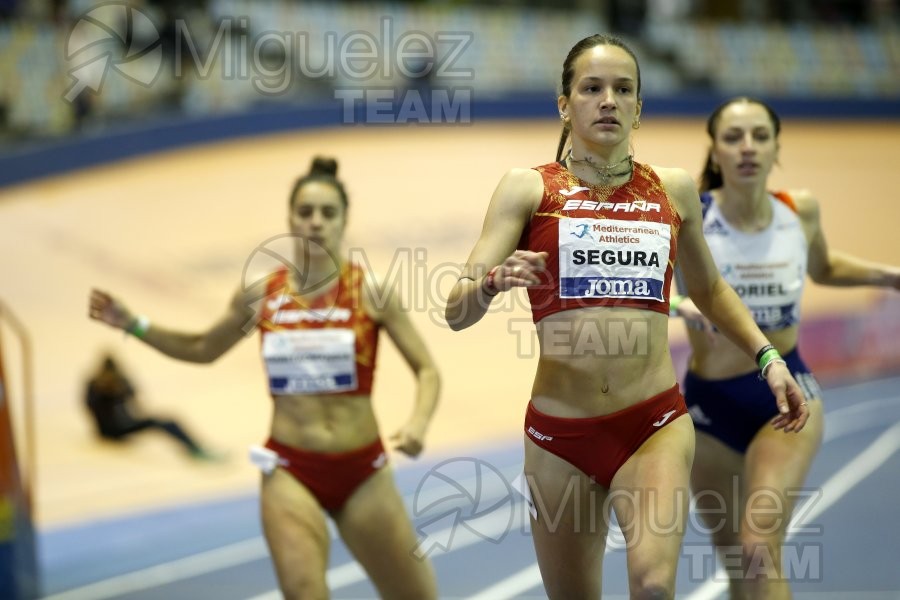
(734, 410)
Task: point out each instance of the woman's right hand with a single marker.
(107, 309)
(520, 269)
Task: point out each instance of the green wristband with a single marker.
(767, 357)
(762, 351)
(674, 302)
(138, 326)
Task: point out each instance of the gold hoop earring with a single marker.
(636, 124)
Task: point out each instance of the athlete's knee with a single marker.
(423, 592)
(302, 587)
(760, 557)
(652, 591)
(657, 583)
(766, 517)
(421, 584)
(763, 530)
(399, 574)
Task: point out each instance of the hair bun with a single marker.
(322, 165)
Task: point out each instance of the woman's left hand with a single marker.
(793, 409)
(409, 440)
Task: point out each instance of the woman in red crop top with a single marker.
(319, 319)
(606, 426)
(780, 235)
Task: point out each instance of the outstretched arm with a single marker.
(684, 307)
(719, 302)
(410, 438)
(830, 267)
(495, 265)
(204, 347)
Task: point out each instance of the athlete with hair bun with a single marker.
(324, 454)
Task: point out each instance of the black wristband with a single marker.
(762, 351)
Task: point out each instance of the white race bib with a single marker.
(608, 258)
(771, 291)
(310, 361)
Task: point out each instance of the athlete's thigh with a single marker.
(572, 522)
(297, 535)
(776, 466)
(717, 483)
(650, 495)
(376, 528)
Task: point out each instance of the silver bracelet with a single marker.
(762, 372)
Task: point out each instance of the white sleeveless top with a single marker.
(767, 269)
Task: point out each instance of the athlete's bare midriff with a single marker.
(324, 423)
(599, 360)
(721, 359)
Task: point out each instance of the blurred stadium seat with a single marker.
(237, 54)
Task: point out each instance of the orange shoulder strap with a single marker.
(786, 199)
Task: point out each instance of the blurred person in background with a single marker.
(110, 399)
(319, 318)
(764, 243)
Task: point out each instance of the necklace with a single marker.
(606, 172)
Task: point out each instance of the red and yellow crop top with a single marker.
(607, 246)
(327, 345)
